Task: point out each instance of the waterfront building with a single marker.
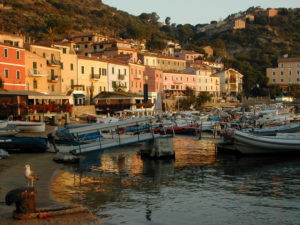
(68, 67)
(53, 58)
(231, 82)
(175, 83)
(137, 77)
(12, 61)
(205, 81)
(287, 72)
(155, 79)
(117, 75)
(36, 73)
(92, 76)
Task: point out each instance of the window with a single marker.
(298, 72)
(6, 73)
(61, 65)
(82, 69)
(5, 53)
(290, 80)
(103, 71)
(92, 71)
(281, 80)
(72, 83)
(82, 39)
(52, 74)
(298, 65)
(168, 62)
(119, 71)
(100, 89)
(273, 73)
(71, 66)
(289, 65)
(18, 54)
(52, 88)
(281, 72)
(35, 85)
(99, 71)
(44, 55)
(16, 44)
(281, 65)
(90, 38)
(18, 74)
(125, 71)
(64, 50)
(158, 61)
(85, 46)
(298, 79)
(113, 70)
(290, 72)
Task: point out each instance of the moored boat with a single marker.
(25, 126)
(247, 143)
(3, 124)
(23, 144)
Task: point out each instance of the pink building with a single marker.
(176, 83)
(137, 77)
(155, 79)
(12, 66)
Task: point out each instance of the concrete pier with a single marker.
(160, 148)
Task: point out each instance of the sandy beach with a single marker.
(12, 176)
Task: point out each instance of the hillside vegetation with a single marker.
(249, 50)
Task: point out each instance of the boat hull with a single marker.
(23, 144)
(251, 144)
(29, 126)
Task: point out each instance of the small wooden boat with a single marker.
(23, 144)
(25, 126)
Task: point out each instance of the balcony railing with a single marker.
(95, 76)
(36, 73)
(138, 76)
(53, 62)
(53, 79)
(121, 77)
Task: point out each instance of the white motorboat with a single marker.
(248, 143)
(269, 131)
(25, 126)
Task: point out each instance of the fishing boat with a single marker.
(25, 126)
(23, 144)
(247, 143)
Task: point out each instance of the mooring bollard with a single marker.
(24, 198)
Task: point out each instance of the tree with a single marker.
(155, 43)
(168, 21)
(202, 98)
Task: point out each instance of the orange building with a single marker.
(12, 62)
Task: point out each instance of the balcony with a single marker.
(53, 62)
(53, 79)
(95, 76)
(121, 77)
(36, 73)
(138, 76)
(177, 81)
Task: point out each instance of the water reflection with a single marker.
(122, 188)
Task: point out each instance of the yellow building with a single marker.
(68, 67)
(53, 59)
(36, 73)
(170, 63)
(231, 82)
(287, 72)
(92, 75)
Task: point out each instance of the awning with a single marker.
(79, 95)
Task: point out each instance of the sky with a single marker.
(195, 11)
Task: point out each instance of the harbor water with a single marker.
(198, 187)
